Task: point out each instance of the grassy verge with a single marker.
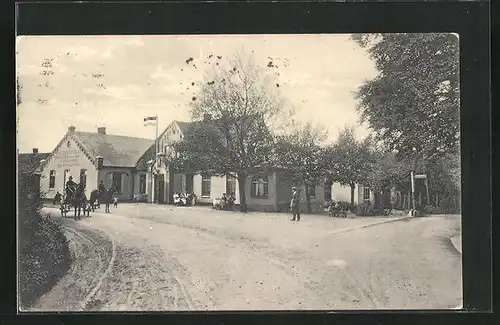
(43, 259)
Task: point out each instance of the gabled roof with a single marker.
(116, 150)
(29, 162)
(142, 163)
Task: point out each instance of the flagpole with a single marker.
(154, 162)
(156, 137)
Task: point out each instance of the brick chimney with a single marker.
(71, 128)
(35, 150)
(101, 130)
(100, 161)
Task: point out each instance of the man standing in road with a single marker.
(294, 204)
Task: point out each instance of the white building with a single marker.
(90, 158)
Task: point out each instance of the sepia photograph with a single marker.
(238, 172)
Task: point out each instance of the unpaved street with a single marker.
(144, 258)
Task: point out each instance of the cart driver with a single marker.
(70, 187)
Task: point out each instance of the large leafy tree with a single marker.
(236, 108)
(349, 160)
(412, 105)
(301, 153)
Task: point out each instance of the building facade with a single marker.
(268, 190)
(94, 157)
(136, 167)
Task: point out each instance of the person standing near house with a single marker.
(294, 204)
(102, 192)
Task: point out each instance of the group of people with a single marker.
(227, 201)
(76, 193)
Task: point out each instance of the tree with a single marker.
(302, 155)
(349, 160)
(413, 104)
(236, 108)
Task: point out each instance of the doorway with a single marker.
(160, 189)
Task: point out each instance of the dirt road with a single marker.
(146, 258)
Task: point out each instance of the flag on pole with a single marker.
(150, 120)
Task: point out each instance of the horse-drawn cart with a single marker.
(78, 205)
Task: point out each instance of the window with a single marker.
(83, 178)
(260, 186)
(328, 192)
(366, 193)
(52, 179)
(206, 182)
(311, 189)
(142, 184)
(230, 185)
(117, 182)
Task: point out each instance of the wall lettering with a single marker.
(68, 158)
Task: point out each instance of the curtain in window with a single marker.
(83, 178)
(52, 179)
(142, 184)
(205, 185)
(260, 186)
(366, 193)
(230, 185)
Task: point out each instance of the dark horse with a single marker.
(94, 199)
(107, 199)
(79, 202)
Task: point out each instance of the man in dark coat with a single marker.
(70, 187)
(102, 192)
(294, 204)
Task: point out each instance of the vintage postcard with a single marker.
(239, 172)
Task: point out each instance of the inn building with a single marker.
(117, 161)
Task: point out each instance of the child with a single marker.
(115, 200)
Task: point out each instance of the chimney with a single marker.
(35, 150)
(71, 128)
(100, 161)
(101, 130)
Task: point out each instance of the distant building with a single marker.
(89, 158)
(28, 175)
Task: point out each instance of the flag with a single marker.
(150, 120)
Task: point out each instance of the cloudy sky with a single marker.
(116, 81)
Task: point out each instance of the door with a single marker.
(161, 190)
(189, 183)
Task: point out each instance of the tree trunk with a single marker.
(353, 186)
(308, 199)
(241, 186)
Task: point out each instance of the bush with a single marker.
(365, 209)
(42, 260)
(44, 255)
(345, 205)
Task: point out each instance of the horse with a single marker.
(79, 201)
(107, 198)
(94, 200)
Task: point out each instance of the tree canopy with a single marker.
(236, 109)
(301, 153)
(350, 160)
(413, 104)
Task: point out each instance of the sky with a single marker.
(116, 81)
